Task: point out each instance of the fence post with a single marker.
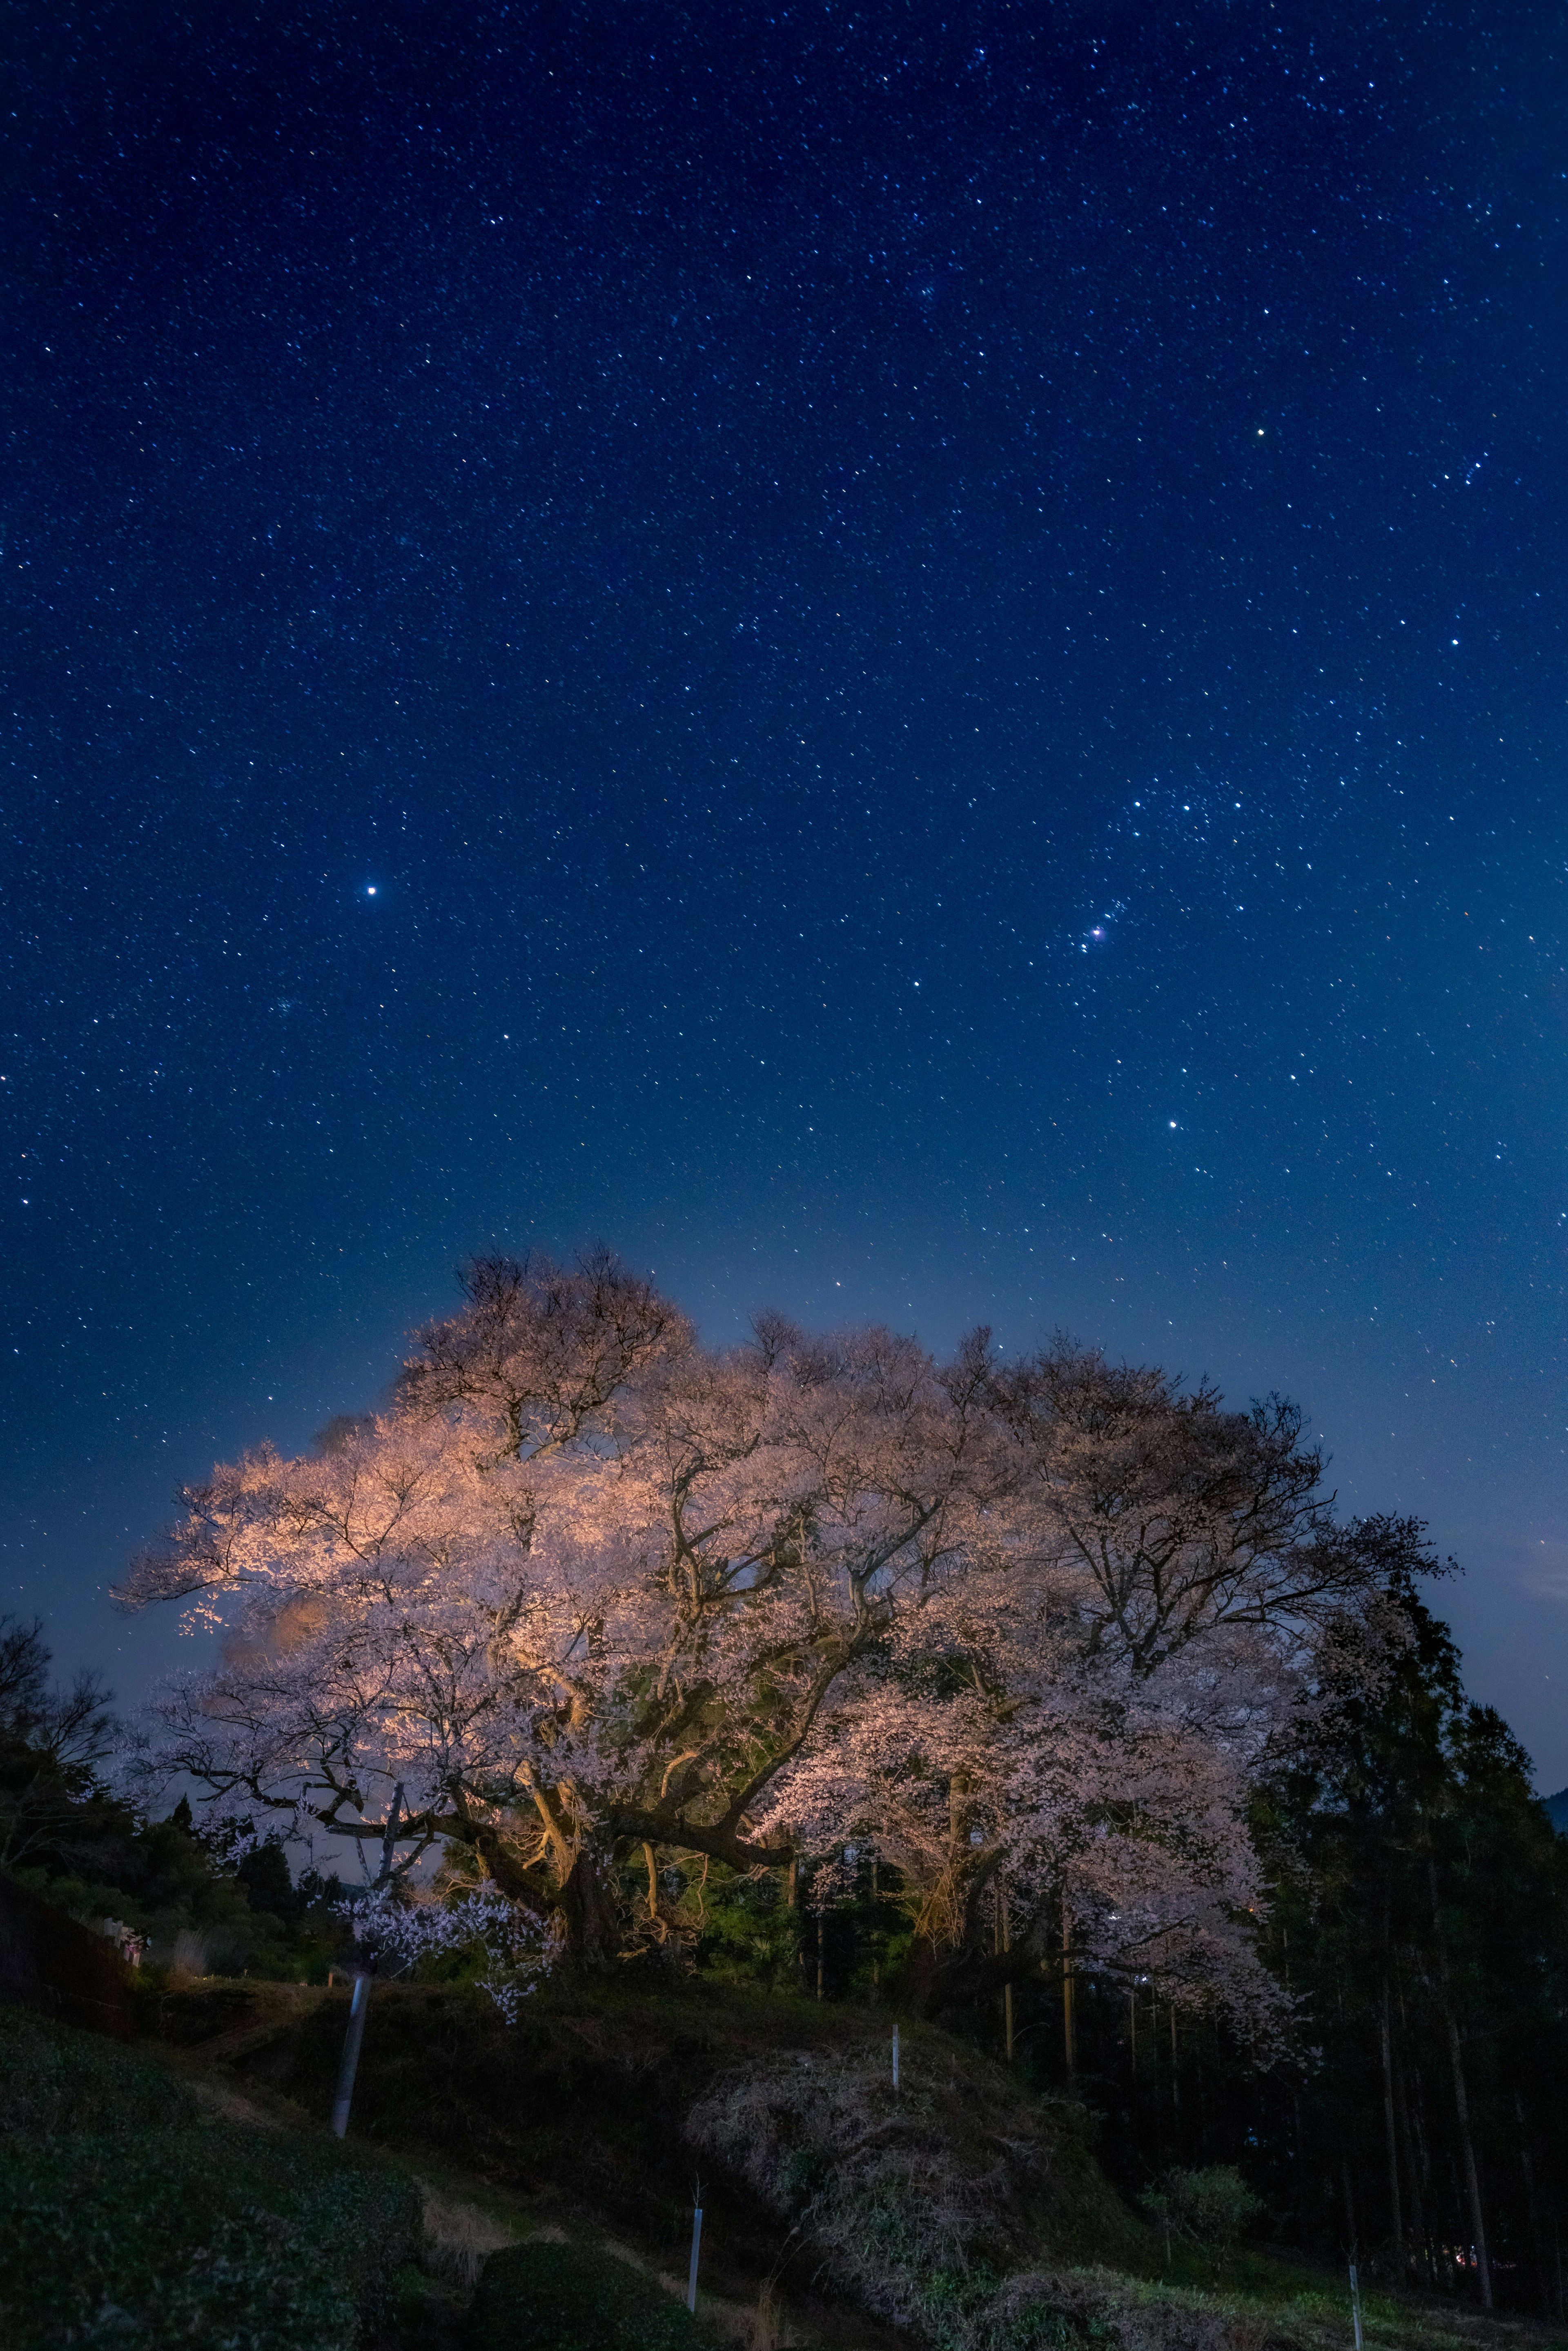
(1356, 2305)
(895, 2057)
(352, 2040)
(697, 2244)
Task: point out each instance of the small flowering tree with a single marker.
(397, 1932)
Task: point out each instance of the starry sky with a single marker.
(908, 659)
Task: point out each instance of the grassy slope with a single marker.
(573, 2121)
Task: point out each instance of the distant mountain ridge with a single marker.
(1557, 1810)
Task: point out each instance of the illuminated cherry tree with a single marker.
(1066, 1736)
(587, 1591)
(584, 1586)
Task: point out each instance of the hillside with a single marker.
(962, 2215)
(604, 2106)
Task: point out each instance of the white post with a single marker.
(696, 2242)
(1356, 2305)
(895, 2057)
(349, 2066)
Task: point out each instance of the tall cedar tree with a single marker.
(1421, 1917)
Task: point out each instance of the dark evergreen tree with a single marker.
(1420, 1916)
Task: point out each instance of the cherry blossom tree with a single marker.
(584, 1586)
(1073, 1728)
(586, 1590)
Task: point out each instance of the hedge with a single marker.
(543, 2297)
(129, 2218)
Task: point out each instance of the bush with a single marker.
(540, 2297)
(128, 2219)
(1210, 2209)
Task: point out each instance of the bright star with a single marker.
(370, 889)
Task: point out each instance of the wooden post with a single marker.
(353, 2041)
(1356, 2305)
(1069, 2034)
(821, 1923)
(895, 2057)
(696, 2248)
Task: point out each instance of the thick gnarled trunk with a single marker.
(586, 1914)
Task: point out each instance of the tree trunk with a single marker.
(1468, 2147)
(1003, 1946)
(1412, 2171)
(932, 1981)
(1537, 2241)
(587, 1914)
(1421, 2136)
(1390, 2133)
(1461, 2098)
(510, 1877)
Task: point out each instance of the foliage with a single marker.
(549, 2297)
(587, 1593)
(1417, 1920)
(51, 1741)
(918, 2202)
(1422, 1918)
(582, 2107)
(1213, 2208)
(130, 2217)
(821, 1663)
(216, 1897)
(392, 1926)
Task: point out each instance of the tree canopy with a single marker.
(587, 1591)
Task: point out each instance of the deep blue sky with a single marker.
(909, 660)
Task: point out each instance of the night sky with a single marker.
(909, 660)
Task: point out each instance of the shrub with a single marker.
(545, 2297)
(128, 2219)
(909, 2221)
(1211, 2209)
